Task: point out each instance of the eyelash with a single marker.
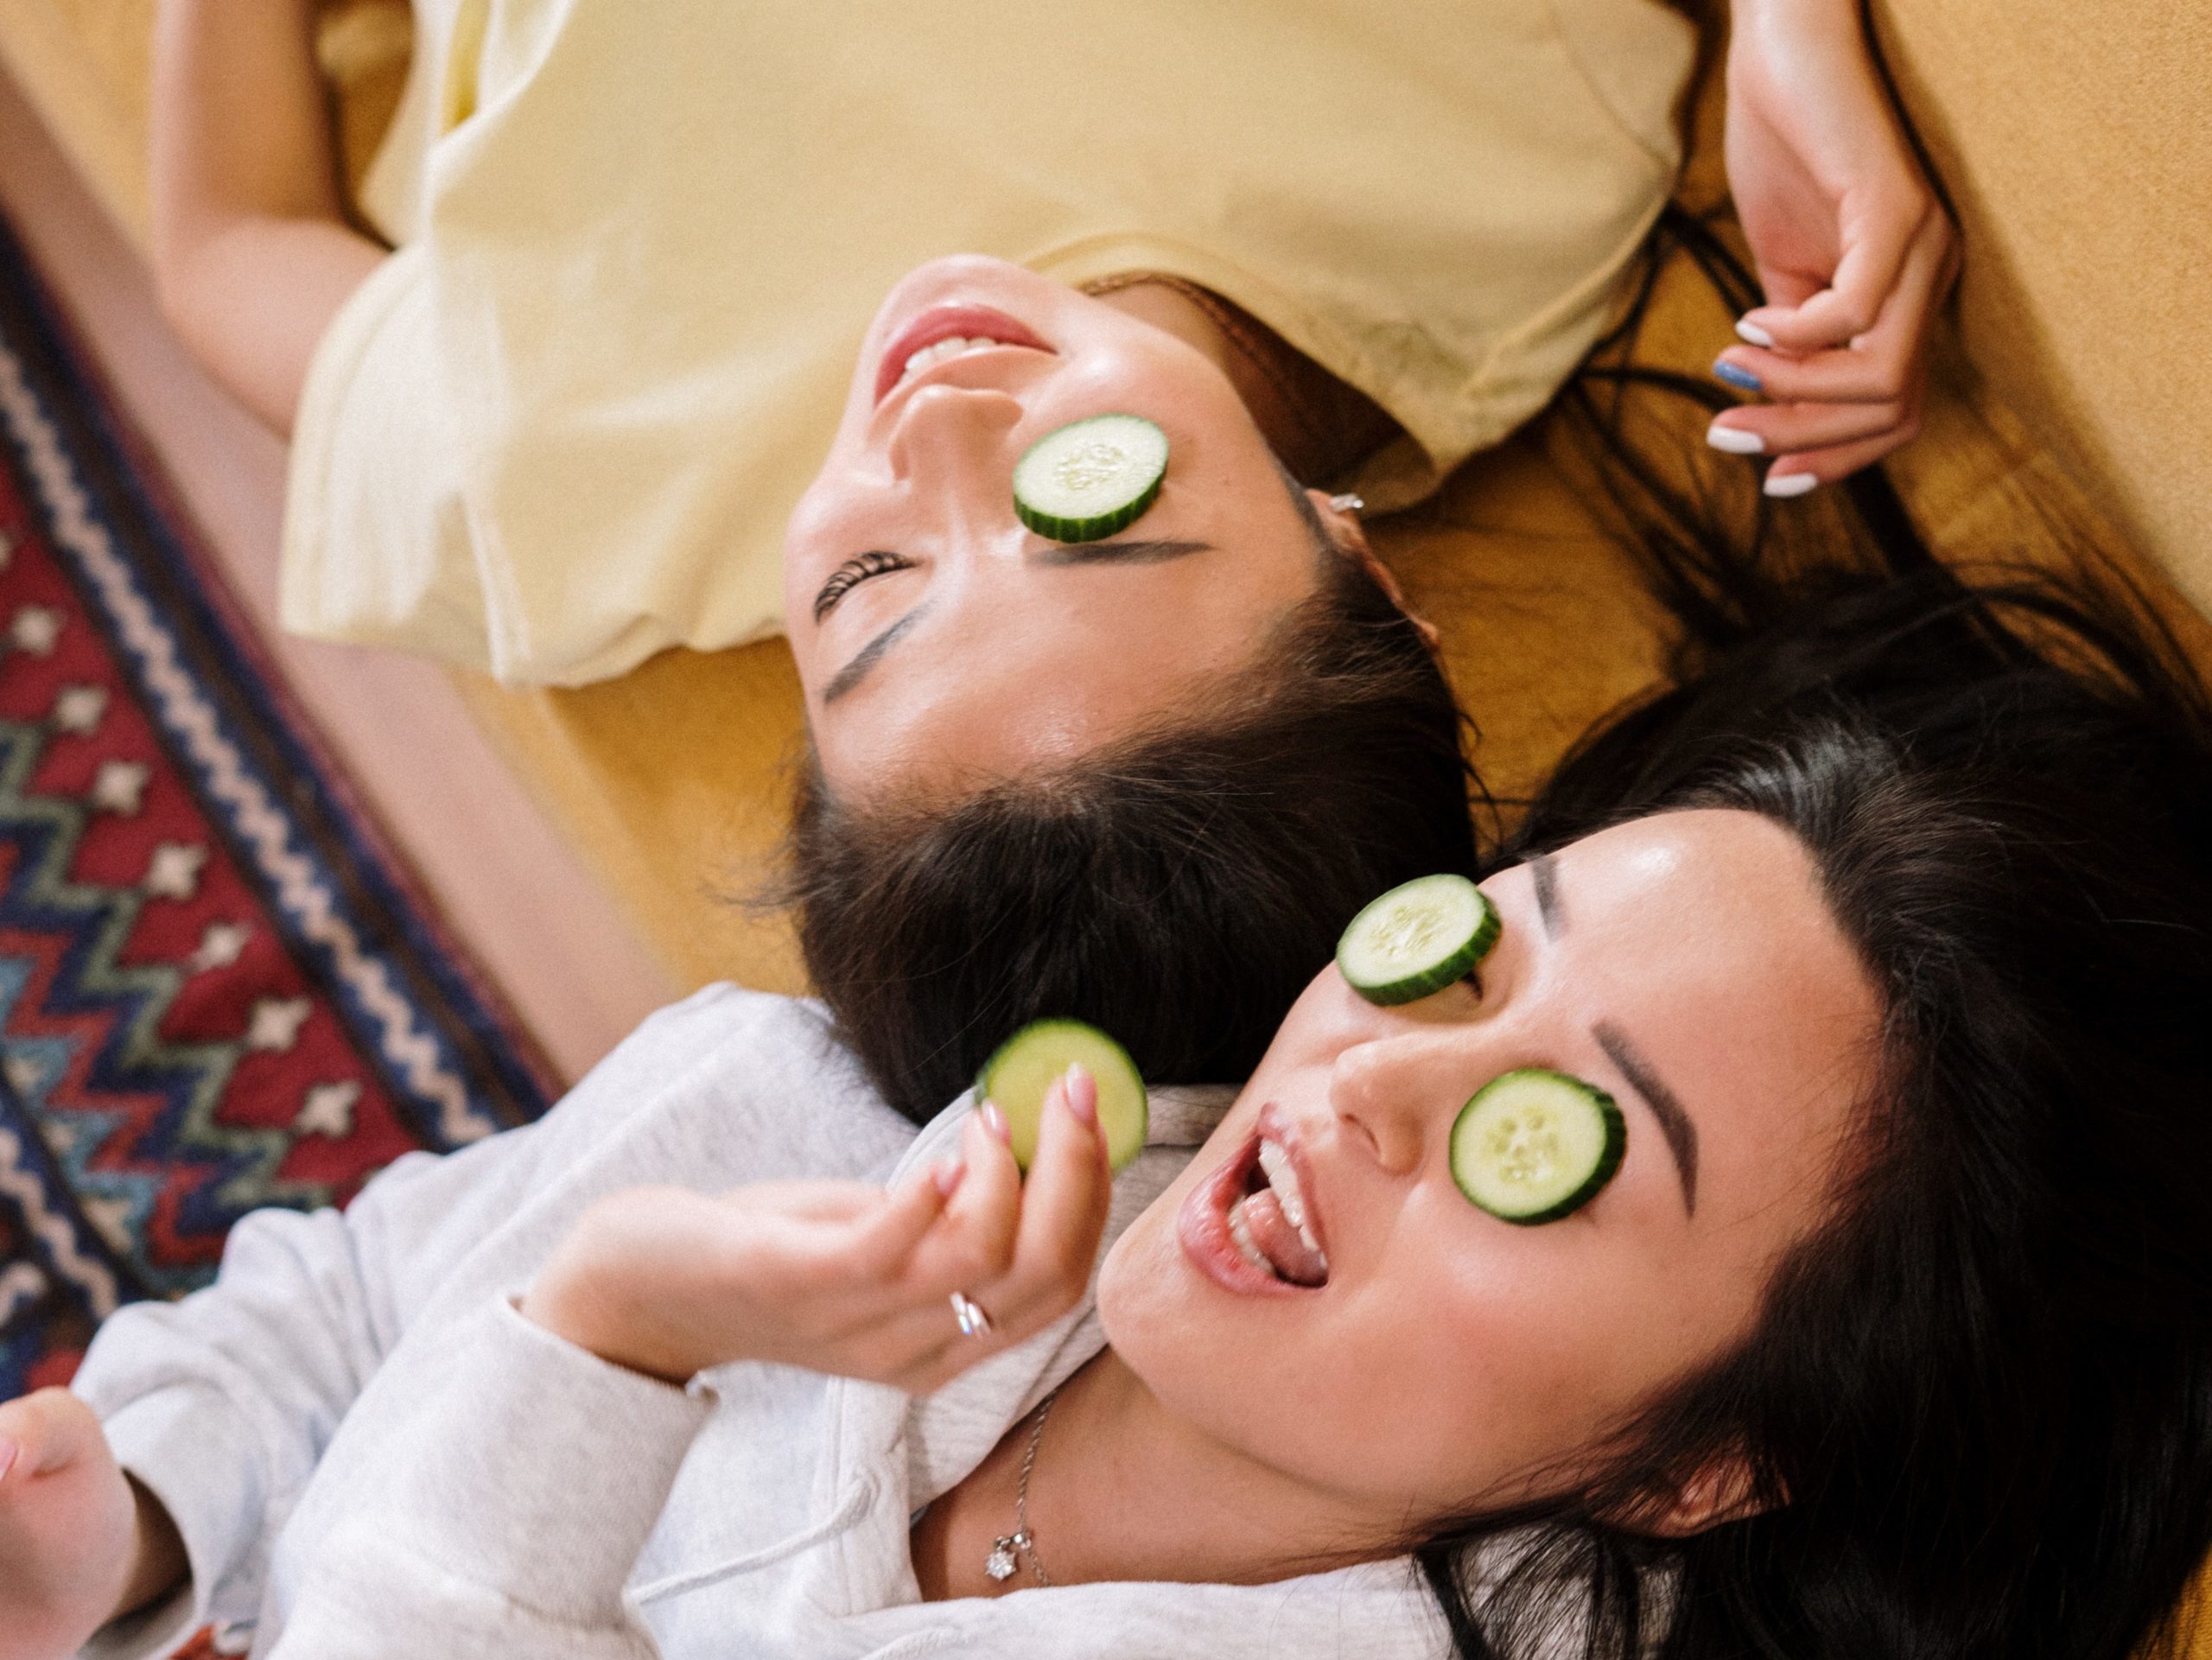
(855, 571)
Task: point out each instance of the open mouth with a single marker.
(1250, 1226)
(943, 333)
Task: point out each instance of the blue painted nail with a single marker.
(1742, 379)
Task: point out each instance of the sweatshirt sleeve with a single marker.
(510, 1525)
(223, 1403)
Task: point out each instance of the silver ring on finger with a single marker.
(974, 1322)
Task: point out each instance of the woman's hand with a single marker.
(842, 1277)
(80, 1543)
(1853, 247)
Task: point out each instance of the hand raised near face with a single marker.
(838, 1277)
(1853, 248)
(78, 1543)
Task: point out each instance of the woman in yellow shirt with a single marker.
(561, 427)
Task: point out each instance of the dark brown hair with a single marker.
(1977, 1404)
(1178, 889)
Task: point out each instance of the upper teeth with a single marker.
(1283, 1176)
(941, 350)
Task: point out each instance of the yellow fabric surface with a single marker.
(2076, 140)
(86, 65)
(565, 428)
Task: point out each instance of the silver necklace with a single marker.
(1007, 1550)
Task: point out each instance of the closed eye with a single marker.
(877, 562)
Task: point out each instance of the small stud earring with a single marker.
(1349, 503)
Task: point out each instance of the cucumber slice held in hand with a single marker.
(1022, 1070)
(1417, 939)
(1090, 477)
(1535, 1145)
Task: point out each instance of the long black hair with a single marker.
(1976, 1407)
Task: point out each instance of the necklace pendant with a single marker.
(1001, 1563)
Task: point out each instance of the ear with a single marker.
(1726, 1490)
(1350, 538)
(1344, 528)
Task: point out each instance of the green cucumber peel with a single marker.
(1535, 1145)
(1090, 477)
(1417, 939)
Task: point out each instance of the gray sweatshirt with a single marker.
(371, 1456)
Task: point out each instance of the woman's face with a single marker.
(943, 644)
(1687, 964)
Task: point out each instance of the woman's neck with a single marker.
(1318, 424)
(1121, 1488)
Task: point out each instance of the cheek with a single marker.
(1470, 1377)
(1451, 1378)
(1148, 367)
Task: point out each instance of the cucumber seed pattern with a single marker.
(1100, 461)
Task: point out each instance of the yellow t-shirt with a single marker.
(562, 426)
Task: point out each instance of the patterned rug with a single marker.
(218, 988)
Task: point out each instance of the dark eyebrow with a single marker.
(1117, 553)
(1543, 870)
(856, 669)
(1674, 1122)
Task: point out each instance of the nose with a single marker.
(1400, 1090)
(953, 438)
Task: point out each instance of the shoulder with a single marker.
(724, 1013)
(755, 1085)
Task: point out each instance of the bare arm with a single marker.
(1853, 247)
(252, 255)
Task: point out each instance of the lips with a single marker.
(950, 322)
(1250, 1234)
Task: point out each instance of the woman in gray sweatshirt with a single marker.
(515, 1402)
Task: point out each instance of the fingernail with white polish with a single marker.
(1749, 331)
(1081, 1104)
(995, 1122)
(947, 1175)
(1786, 485)
(1737, 441)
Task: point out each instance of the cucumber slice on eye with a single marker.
(1023, 1069)
(1090, 477)
(1417, 939)
(1537, 1145)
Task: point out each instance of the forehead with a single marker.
(1707, 936)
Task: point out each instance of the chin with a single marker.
(1138, 1305)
